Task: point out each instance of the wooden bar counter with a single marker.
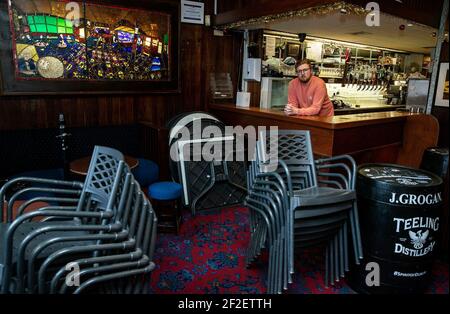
(368, 137)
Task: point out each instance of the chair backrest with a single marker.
(294, 148)
(101, 175)
(188, 126)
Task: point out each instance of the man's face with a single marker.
(304, 73)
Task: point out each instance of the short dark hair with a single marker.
(303, 61)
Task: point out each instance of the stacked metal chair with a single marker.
(297, 202)
(102, 241)
(206, 183)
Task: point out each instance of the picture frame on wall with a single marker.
(89, 47)
(442, 86)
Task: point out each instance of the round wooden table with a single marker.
(81, 166)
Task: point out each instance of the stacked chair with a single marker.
(297, 202)
(93, 237)
(206, 183)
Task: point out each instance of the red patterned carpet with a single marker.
(208, 257)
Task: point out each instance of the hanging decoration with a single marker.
(322, 10)
(317, 10)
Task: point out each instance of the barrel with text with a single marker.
(399, 210)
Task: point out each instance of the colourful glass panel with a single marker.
(39, 19)
(50, 20)
(42, 28)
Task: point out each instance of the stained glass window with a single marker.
(49, 24)
(107, 43)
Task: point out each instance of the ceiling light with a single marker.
(410, 24)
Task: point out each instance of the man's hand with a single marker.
(291, 110)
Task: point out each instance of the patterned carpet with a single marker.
(208, 257)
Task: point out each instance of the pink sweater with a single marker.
(311, 97)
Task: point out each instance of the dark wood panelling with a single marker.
(256, 50)
(157, 109)
(192, 58)
(28, 112)
(223, 56)
(442, 113)
(254, 88)
(420, 133)
(368, 137)
(152, 136)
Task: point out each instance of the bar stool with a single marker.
(165, 197)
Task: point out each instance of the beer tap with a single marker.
(361, 79)
(366, 77)
(373, 77)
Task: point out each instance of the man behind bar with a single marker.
(307, 94)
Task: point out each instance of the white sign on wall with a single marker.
(442, 86)
(314, 51)
(270, 46)
(192, 12)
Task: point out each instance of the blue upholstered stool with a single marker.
(146, 173)
(165, 198)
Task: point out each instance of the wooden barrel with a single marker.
(399, 210)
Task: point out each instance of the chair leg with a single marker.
(285, 261)
(346, 267)
(353, 232)
(342, 252)
(327, 268)
(336, 258)
(358, 232)
(178, 215)
(332, 261)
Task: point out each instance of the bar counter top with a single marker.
(369, 137)
(335, 122)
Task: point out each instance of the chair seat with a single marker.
(321, 196)
(165, 191)
(25, 229)
(315, 222)
(322, 211)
